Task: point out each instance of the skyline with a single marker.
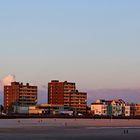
(129, 95)
(92, 43)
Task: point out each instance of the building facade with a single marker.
(137, 110)
(76, 100)
(18, 95)
(65, 93)
(99, 109)
(132, 109)
(1, 109)
(127, 110)
(108, 107)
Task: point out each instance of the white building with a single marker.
(99, 109)
(118, 107)
(108, 107)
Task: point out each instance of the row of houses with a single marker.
(116, 107)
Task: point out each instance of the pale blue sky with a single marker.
(95, 43)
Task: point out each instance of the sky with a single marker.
(94, 43)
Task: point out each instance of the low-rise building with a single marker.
(51, 109)
(99, 109)
(116, 108)
(34, 110)
(132, 109)
(137, 110)
(108, 107)
(127, 110)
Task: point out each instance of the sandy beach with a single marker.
(76, 129)
(55, 122)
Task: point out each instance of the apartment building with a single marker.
(76, 100)
(65, 93)
(19, 95)
(58, 91)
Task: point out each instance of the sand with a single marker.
(69, 129)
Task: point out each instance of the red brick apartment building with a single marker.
(65, 93)
(18, 94)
